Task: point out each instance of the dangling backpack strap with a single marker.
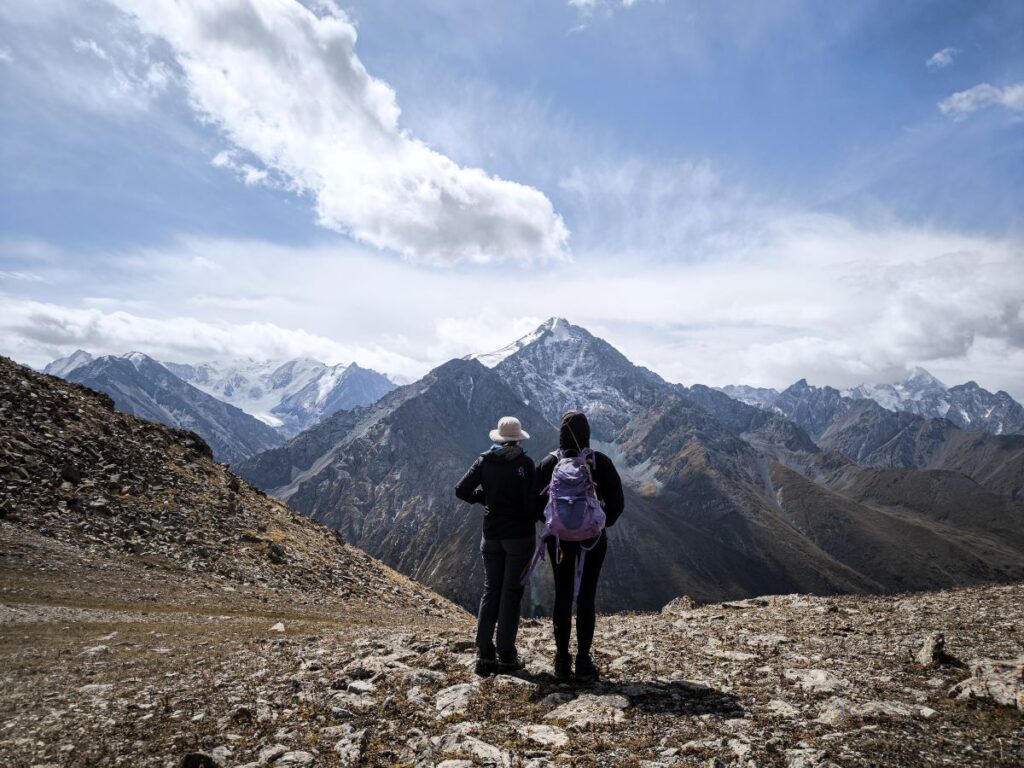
(579, 573)
(537, 557)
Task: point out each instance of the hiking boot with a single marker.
(486, 667)
(507, 666)
(586, 669)
(563, 666)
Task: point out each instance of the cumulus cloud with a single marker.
(287, 86)
(941, 59)
(963, 103)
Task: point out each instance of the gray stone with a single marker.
(591, 711)
(295, 758)
(455, 699)
(815, 680)
(1001, 681)
(545, 735)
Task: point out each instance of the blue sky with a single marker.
(727, 191)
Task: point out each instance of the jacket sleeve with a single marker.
(530, 488)
(540, 485)
(609, 488)
(468, 488)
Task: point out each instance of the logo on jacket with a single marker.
(522, 472)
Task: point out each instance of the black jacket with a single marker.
(573, 436)
(503, 480)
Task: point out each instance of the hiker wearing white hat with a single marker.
(502, 480)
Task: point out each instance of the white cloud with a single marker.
(287, 87)
(801, 295)
(981, 96)
(6, 57)
(941, 59)
(32, 328)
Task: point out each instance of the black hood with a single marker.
(503, 453)
(574, 433)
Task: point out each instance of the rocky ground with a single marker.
(155, 611)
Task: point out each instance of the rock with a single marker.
(1001, 681)
(271, 753)
(352, 747)
(277, 553)
(200, 760)
(455, 764)
(455, 699)
(730, 655)
(804, 757)
(279, 627)
(591, 711)
(838, 711)
(682, 605)
(815, 680)
(555, 699)
(835, 712)
(96, 650)
(508, 681)
(783, 708)
(751, 602)
(455, 743)
(297, 757)
(545, 735)
(933, 651)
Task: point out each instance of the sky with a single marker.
(729, 192)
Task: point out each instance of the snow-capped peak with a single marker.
(62, 366)
(136, 358)
(919, 378)
(553, 330)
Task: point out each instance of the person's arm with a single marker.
(540, 485)
(468, 488)
(529, 488)
(609, 486)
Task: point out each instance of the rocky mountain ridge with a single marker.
(141, 386)
(161, 612)
(968, 406)
(711, 509)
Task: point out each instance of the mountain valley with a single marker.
(159, 611)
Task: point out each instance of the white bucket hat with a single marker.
(509, 430)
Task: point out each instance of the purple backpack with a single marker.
(573, 512)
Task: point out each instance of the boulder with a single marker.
(1001, 681)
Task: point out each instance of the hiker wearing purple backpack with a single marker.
(580, 495)
(502, 479)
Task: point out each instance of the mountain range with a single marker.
(723, 499)
(159, 611)
(968, 406)
(240, 408)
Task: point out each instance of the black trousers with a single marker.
(565, 581)
(504, 563)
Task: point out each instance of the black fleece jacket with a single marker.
(573, 436)
(503, 480)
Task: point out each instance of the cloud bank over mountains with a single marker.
(691, 263)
